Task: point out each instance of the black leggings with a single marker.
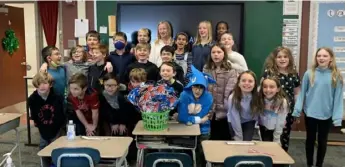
(266, 134)
(220, 129)
(285, 136)
(248, 130)
(321, 127)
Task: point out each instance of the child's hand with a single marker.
(297, 120)
(89, 133)
(108, 67)
(205, 118)
(122, 129)
(114, 129)
(175, 116)
(70, 61)
(44, 67)
(90, 128)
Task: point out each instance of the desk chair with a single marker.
(248, 161)
(168, 159)
(75, 157)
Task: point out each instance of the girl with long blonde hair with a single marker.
(321, 99)
(202, 45)
(164, 37)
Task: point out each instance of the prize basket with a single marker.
(155, 121)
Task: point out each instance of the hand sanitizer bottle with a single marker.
(70, 130)
(9, 162)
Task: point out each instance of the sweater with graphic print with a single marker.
(47, 114)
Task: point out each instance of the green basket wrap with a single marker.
(155, 121)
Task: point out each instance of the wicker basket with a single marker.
(155, 121)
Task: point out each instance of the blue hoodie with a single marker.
(320, 101)
(187, 99)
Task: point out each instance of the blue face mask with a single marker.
(119, 45)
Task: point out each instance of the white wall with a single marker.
(32, 37)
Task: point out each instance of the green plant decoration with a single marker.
(10, 42)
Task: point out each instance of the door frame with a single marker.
(39, 29)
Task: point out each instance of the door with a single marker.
(12, 67)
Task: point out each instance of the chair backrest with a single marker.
(168, 159)
(248, 161)
(76, 157)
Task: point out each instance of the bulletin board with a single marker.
(327, 29)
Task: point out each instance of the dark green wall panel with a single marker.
(262, 32)
(104, 9)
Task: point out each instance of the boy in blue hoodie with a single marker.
(194, 105)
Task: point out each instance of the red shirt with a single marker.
(86, 105)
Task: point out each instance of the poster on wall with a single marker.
(327, 29)
(290, 7)
(291, 37)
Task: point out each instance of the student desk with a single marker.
(109, 147)
(218, 151)
(10, 121)
(158, 139)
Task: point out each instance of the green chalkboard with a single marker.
(263, 23)
(104, 9)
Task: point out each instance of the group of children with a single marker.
(213, 83)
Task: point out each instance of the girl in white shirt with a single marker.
(236, 59)
(164, 37)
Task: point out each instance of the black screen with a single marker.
(182, 16)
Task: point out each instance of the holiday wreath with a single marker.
(10, 42)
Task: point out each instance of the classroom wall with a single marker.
(262, 28)
(70, 13)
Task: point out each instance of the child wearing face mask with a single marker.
(46, 111)
(244, 107)
(78, 63)
(280, 64)
(236, 59)
(220, 69)
(120, 58)
(272, 121)
(52, 58)
(321, 99)
(167, 55)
